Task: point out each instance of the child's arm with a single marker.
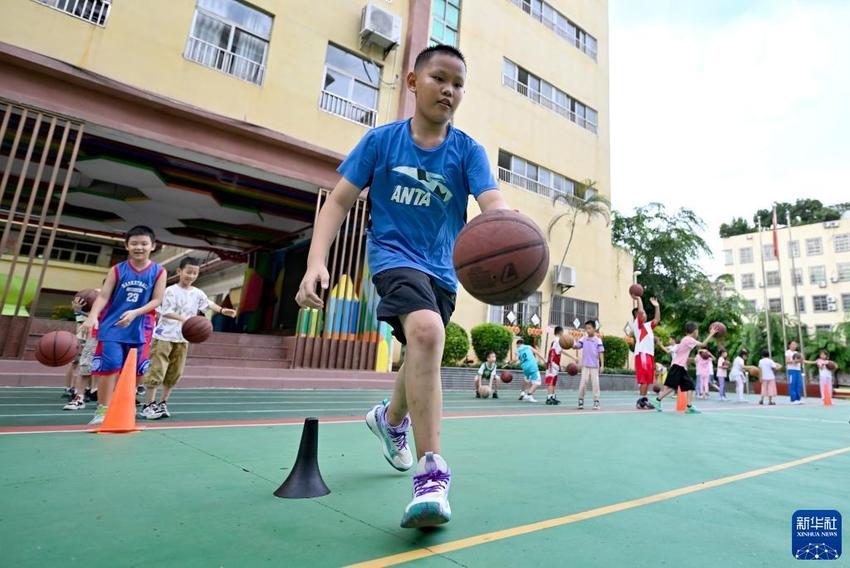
(491, 200)
(601, 361)
(229, 312)
(657, 306)
(99, 303)
(331, 216)
(707, 339)
(155, 302)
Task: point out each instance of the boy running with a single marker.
(644, 349)
(169, 347)
(677, 376)
(488, 371)
(420, 173)
(592, 363)
(122, 314)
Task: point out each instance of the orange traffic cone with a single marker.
(681, 400)
(121, 416)
(827, 395)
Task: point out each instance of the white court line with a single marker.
(792, 418)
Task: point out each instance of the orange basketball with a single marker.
(636, 290)
(753, 371)
(197, 329)
(831, 365)
(56, 349)
(566, 341)
(572, 369)
(506, 377)
(88, 296)
(718, 328)
(501, 257)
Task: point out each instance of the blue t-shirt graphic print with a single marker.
(418, 196)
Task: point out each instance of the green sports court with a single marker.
(533, 485)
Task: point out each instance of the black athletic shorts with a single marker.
(678, 377)
(406, 290)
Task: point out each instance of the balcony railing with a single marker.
(543, 100)
(518, 180)
(345, 108)
(584, 47)
(93, 11)
(215, 57)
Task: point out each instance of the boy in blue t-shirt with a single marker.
(122, 314)
(527, 357)
(420, 173)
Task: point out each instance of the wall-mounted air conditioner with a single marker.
(831, 224)
(380, 28)
(564, 276)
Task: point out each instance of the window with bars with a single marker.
(801, 304)
(845, 302)
(820, 303)
(445, 22)
(523, 311)
(817, 274)
(797, 276)
(553, 19)
(814, 247)
(745, 255)
(842, 271)
(772, 278)
(545, 94)
(351, 86)
(232, 37)
(525, 174)
(794, 249)
(768, 252)
(774, 305)
(66, 250)
(564, 311)
(93, 11)
(823, 328)
(841, 243)
(728, 257)
(748, 281)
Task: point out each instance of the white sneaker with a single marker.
(530, 398)
(99, 415)
(430, 504)
(151, 412)
(522, 395)
(393, 440)
(76, 404)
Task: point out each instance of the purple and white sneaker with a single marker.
(393, 438)
(430, 504)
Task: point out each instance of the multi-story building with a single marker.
(220, 122)
(813, 270)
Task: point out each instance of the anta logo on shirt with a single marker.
(420, 196)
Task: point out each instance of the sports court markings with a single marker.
(503, 534)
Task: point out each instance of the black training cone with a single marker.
(305, 479)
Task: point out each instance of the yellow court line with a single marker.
(585, 515)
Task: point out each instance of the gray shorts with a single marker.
(86, 356)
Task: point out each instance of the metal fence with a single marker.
(93, 11)
(543, 100)
(345, 108)
(218, 58)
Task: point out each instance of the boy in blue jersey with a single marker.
(420, 173)
(122, 314)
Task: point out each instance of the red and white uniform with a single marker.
(553, 363)
(644, 351)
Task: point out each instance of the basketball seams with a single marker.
(500, 252)
(543, 260)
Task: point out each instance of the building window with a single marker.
(819, 303)
(545, 94)
(814, 247)
(841, 242)
(773, 278)
(728, 257)
(523, 311)
(564, 311)
(748, 281)
(843, 272)
(560, 24)
(845, 302)
(66, 250)
(537, 179)
(817, 274)
(801, 304)
(351, 86)
(794, 249)
(823, 328)
(797, 276)
(93, 11)
(445, 22)
(768, 252)
(774, 305)
(745, 255)
(231, 37)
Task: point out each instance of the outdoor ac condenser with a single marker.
(379, 27)
(564, 276)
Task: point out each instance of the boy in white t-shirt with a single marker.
(169, 348)
(767, 369)
(644, 349)
(488, 371)
(738, 374)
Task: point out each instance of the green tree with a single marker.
(591, 207)
(457, 344)
(616, 351)
(738, 226)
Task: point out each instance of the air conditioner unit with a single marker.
(831, 224)
(822, 284)
(832, 308)
(564, 276)
(835, 279)
(831, 299)
(379, 27)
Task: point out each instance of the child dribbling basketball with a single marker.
(527, 357)
(488, 371)
(123, 314)
(420, 173)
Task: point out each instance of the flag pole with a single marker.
(796, 302)
(764, 288)
(779, 266)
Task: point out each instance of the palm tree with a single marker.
(594, 206)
